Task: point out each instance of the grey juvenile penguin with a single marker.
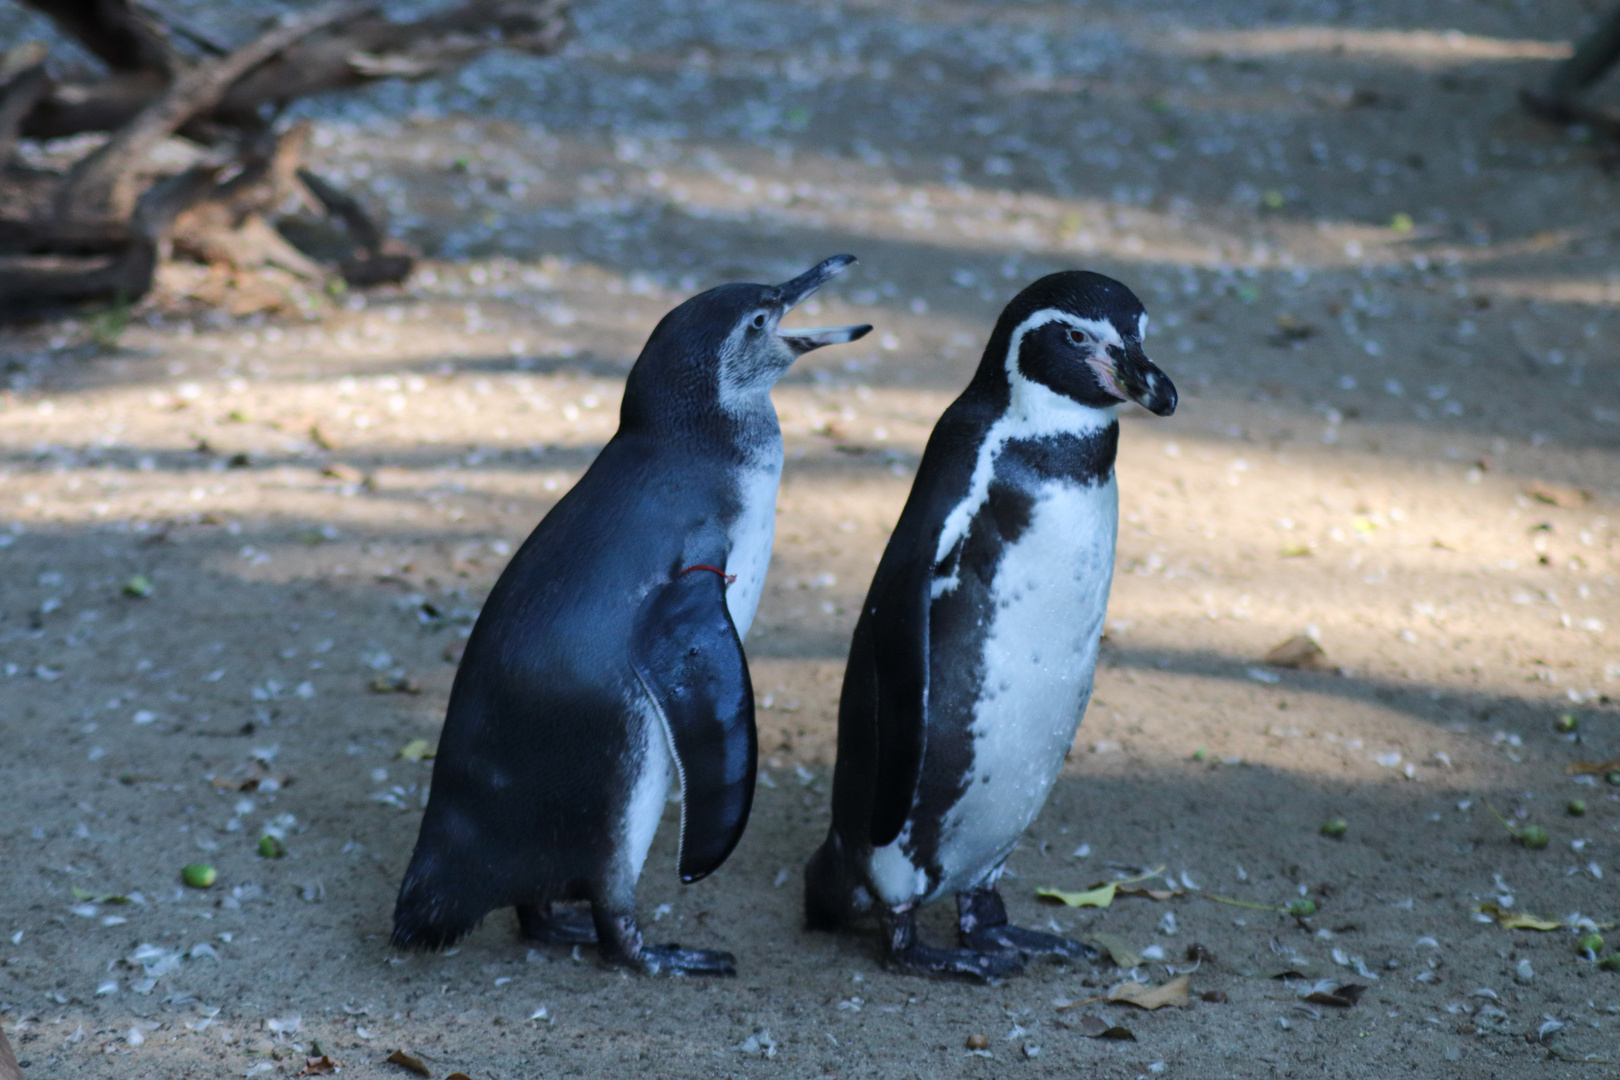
(610, 650)
(972, 659)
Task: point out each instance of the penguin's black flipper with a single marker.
(899, 657)
(687, 654)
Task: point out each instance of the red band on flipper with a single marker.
(729, 578)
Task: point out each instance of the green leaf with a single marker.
(1101, 896)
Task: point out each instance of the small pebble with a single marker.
(978, 1042)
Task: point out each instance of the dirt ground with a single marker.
(1389, 300)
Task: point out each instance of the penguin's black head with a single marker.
(1078, 335)
(728, 344)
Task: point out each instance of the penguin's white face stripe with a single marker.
(1034, 411)
(745, 382)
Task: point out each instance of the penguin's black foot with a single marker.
(1029, 943)
(620, 943)
(903, 952)
(982, 925)
(674, 960)
(556, 926)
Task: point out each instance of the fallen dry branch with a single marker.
(97, 230)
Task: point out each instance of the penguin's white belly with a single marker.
(752, 534)
(1039, 653)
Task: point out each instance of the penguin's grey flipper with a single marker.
(981, 920)
(687, 654)
(903, 952)
(556, 926)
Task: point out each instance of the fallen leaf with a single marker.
(1299, 651)
(1517, 920)
(1558, 495)
(1151, 894)
(1119, 950)
(99, 898)
(1095, 1027)
(1591, 768)
(458, 1076)
(1296, 551)
(395, 684)
(406, 1061)
(417, 750)
(1101, 896)
(1217, 997)
(319, 1066)
(1340, 996)
(1143, 996)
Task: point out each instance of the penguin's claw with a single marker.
(980, 966)
(559, 926)
(674, 960)
(1028, 943)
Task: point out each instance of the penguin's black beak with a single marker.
(802, 339)
(1140, 379)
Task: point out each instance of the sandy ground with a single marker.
(1389, 301)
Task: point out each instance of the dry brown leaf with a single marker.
(1340, 996)
(1095, 1027)
(458, 1076)
(319, 1066)
(1592, 768)
(395, 684)
(407, 1061)
(1143, 996)
(1299, 651)
(1119, 950)
(348, 474)
(1568, 498)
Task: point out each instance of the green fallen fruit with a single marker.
(139, 586)
(1533, 837)
(1335, 827)
(1301, 908)
(1613, 778)
(1610, 962)
(1200, 754)
(1566, 723)
(1575, 807)
(198, 875)
(270, 847)
(1592, 943)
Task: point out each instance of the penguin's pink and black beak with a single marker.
(802, 339)
(1128, 373)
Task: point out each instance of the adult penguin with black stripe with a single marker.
(972, 659)
(610, 652)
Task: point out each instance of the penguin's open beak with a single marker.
(803, 339)
(1139, 379)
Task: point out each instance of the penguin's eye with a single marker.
(1079, 337)
(759, 321)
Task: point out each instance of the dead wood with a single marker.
(363, 49)
(17, 97)
(84, 235)
(100, 185)
(116, 32)
(34, 289)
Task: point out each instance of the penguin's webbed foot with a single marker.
(674, 960)
(620, 945)
(556, 925)
(903, 952)
(982, 924)
(1029, 943)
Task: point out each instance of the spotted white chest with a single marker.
(1038, 655)
(751, 535)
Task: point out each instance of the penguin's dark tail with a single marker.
(829, 887)
(440, 902)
